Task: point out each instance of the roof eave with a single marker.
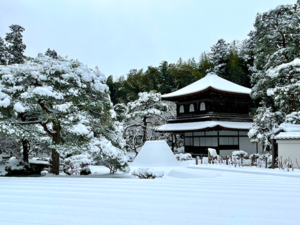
(174, 98)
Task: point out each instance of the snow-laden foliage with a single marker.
(240, 153)
(15, 166)
(183, 156)
(142, 117)
(219, 55)
(66, 102)
(3, 52)
(51, 53)
(15, 47)
(74, 164)
(276, 69)
(146, 173)
(265, 124)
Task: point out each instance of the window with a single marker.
(228, 133)
(192, 108)
(228, 140)
(211, 133)
(201, 133)
(188, 141)
(202, 106)
(181, 109)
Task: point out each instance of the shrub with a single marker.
(183, 156)
(16, 166)
(74, 164)
(146, 173)
(44, 172)
(85, 171)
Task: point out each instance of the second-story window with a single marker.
(181, 109)
(192, 108)
(202, 106)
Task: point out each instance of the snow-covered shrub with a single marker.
(85, 171)
(74, 164)
(44, 172)
(146, 173)
(183, 156)
(240, 154)
(115, 159)
(179, 150)
(212, 152)
(286, 164)
(17, 167)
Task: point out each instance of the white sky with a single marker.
(119, 35)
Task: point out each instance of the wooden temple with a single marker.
(212, 113)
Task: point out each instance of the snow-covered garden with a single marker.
(183, 196)
(75, 148)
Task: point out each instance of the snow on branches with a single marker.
(65, 99)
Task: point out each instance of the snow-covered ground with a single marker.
(184, 196)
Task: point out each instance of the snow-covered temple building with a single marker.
(212, 113)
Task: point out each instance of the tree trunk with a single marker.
(55, 155)
(25, 150)
(55, 162)
(145, 129)
(172, 142)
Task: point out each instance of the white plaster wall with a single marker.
(247, 146)
(289, 149)
(226, 152)
(260, 148)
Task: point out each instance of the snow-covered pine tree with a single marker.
(219, 56)
(51, 53)
(16, 47)
(276, 74)
(3, 52)
(140, 113)
(69, 101)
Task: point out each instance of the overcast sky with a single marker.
(119, 35)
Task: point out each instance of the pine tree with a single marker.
(141, 111)
(16, 47)
(67, 101)
(51, 53)
(219, 56)
(276, 74)
(3, 52)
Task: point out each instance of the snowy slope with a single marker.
(212, 199)
(211, 80)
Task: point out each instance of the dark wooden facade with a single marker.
(212, 105)
(219, 106)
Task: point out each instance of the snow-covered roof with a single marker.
(287, 135)
(211, 80)
(204, 125)
(288, 127)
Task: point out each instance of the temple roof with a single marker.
(196, 126)
(210, 81)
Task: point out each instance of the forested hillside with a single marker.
(229, 60)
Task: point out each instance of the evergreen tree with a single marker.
(3, 52)
(16, 47)
(276, 75)
(51, 53)
(219, 56)
(70, 104)
(139, 113)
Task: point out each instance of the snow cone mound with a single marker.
(155, 154)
